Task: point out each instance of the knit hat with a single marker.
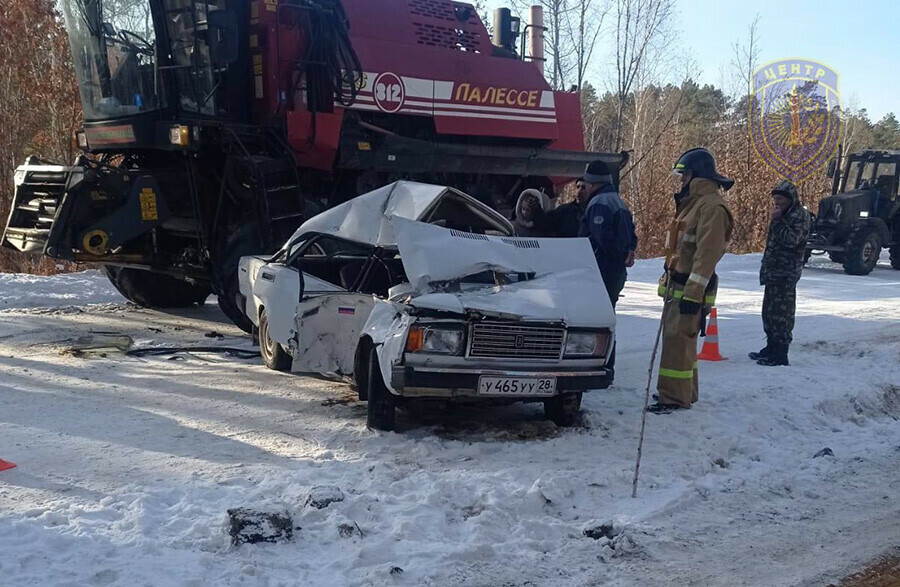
(597, 172)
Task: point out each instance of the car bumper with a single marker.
(449, 383)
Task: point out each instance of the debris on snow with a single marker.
(321, 496)
(825, 452)
(348, 531)
(598, 531)
(252, 527)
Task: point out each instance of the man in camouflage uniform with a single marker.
(695, 244)
(781, 267)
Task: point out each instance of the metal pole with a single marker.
(662, 321)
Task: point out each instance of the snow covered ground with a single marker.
(128, 465)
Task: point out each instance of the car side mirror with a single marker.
(223, 37)
(831, 169)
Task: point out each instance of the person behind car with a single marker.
(608, 223)
(697, 241)
(531, 215)
(780, 271)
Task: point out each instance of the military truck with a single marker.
(862, 216)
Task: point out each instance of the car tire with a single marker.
(563, 409)
(895, 256)
(149, 289)
(273, 354)
(862, 252)
(836, 256)
(380, 411)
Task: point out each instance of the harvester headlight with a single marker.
(180, 135)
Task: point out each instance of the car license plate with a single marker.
(516, 386)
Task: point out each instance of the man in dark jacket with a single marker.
(567, 219)
(610, 227)
(782, 265)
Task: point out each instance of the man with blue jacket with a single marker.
(609, 226)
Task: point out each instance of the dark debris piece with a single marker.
(252, 527)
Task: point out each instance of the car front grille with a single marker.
(514, 341)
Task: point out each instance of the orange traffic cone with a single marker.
(710, 350)
(4, 465)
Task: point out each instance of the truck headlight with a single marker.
(586, 344)
(436, 339)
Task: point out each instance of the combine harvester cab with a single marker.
(213, 129)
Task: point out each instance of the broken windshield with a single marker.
(114, 52)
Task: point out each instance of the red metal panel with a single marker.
(569, 122)
(315, 145)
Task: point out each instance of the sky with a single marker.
(857, 39)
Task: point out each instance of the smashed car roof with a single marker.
(365, 219)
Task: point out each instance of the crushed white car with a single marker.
(421, 292)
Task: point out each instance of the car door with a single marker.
(277, 288)
(328, 328)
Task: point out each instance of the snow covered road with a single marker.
(128, 465)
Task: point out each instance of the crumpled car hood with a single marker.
(567, 286)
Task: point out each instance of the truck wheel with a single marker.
(155, 290)
(836, 256)
(272, 352)
(563, 409)
(241, 242)
(380, 411)
(895, 256)
(862, 252)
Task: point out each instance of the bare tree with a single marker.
(639, 24)
(584, 30)
(744, 62)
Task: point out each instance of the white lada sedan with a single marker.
(419, 292)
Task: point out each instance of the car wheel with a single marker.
(361, 368)
(563, 409)
(272, 352)
(862, 252)
(895, 256)
(380, 410)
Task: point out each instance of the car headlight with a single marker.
(437, 339)
(587, 344)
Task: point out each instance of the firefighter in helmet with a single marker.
(696, 241)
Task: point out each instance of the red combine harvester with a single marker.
(213, 128)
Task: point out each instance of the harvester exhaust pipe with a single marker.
(506, 29)
(536, 37)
